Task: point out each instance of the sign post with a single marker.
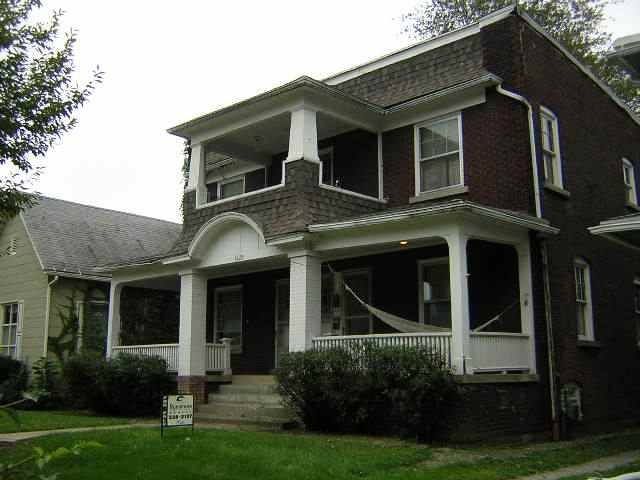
(177, 411)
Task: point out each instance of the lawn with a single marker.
(50, 420)
(210, 453)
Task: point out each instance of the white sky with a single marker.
(166, 62)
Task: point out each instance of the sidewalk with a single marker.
(601, 465)
(19, 436)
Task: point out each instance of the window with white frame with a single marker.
(552, 161)
(438, 154)
(326, 158)
(356, 319)
(9, 324)
(228, 315)
(434, 292)
(636, 307)
(236, 185)
(629, 178)
(584, 306)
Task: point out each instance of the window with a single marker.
(584, 314)
(237, 185)
(434, 292)
(9, 329)
(357, 319)
(636, 307)
(326, 158)
(551, 148)
(228, 316)
(629, 177)
(439, 154)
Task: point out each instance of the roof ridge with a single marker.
(109, 210)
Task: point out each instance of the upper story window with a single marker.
(584, 306)
(438, 154)
(236, 185)
(551, 148)
(629, 177)
(9, 320)
(326, 159)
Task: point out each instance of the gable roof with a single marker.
(71, 238)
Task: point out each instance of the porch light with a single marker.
(404, 242)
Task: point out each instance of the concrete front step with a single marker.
(244, 397)
(248, 412)
(247, 389)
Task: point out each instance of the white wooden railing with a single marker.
(500, 352)
(438, 342)
(217, 355)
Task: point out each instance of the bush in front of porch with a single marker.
(375, 390)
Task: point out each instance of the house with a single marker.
(450, 184)
(48, 275)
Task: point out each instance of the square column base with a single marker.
(195, 385)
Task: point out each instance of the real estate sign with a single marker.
(177, 411)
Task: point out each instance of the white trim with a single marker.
(237, 197)
(229, 288)
(33, 245)
(218, 220)
(425, 262)
(626, 164)
(556, 154)
(420, 47)
(352, 193)
(418, 158)
(451, 207)
(579, 263)
(81, 276)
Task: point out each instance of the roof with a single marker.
(624, 229)
(72, 238)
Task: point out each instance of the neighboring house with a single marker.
(47, 272)
(452, 184)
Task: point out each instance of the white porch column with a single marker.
(192, 336)
(303, 135)
(113, 325)
(526, 299)
(197, 174)
(458, 273)
(304, 300)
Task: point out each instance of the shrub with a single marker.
(372, 389)
(126, 385)
(45, 384)
(14, 376)
(79, 379)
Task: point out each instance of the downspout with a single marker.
(47, 313)
(532, 143)
(555, 426)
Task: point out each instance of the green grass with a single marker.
(213, 454)
(51, 420)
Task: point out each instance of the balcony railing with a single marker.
(439, 343)
(217, 355)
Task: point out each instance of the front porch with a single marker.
(467, 284)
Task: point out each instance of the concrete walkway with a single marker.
(601, 465)
(19, 436)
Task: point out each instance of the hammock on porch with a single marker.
(408, 326)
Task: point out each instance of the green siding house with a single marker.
(52, 297)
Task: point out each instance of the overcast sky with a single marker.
(166, 62)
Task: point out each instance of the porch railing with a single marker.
(500, 352)
(439, 343)
(217, 355)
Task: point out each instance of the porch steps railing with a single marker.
(217, 355)
(439, 343)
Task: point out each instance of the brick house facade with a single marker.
(341, 189)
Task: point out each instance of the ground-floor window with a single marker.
(228, 316)
(356, 319)
(9, 321)
(93, 317)
(584, 315)
(435, 292)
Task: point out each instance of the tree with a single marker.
(38, 96)
(577, 24)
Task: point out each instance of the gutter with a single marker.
(47, 314)
(532, 143)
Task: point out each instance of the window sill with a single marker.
(557, 190)
(439, 193)
(589, 344)
(497, 378)
(632, 206)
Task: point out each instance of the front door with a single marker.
(282, 318)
